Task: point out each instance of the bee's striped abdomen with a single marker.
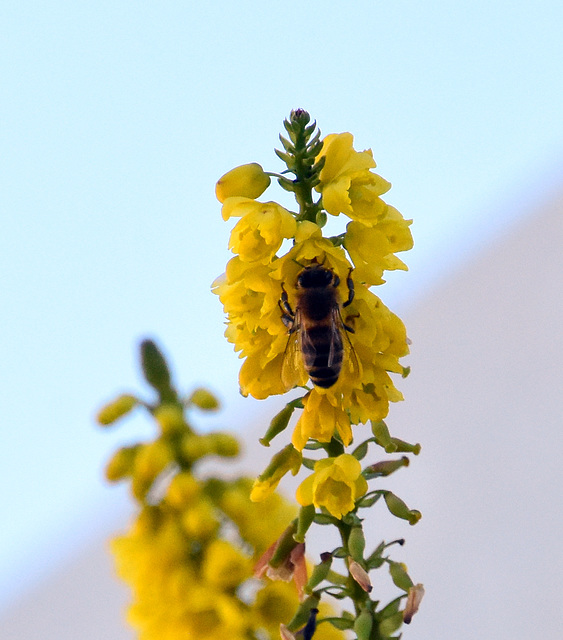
(322, 345)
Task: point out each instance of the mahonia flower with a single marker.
(335, 484)
(260, 231)
(347, 184)
(248, 180)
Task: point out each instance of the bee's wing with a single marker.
(350, 364)
(293, 371)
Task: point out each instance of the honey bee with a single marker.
(318, 339)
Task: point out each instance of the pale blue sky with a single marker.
(117, 119)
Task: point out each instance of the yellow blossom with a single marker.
(260, 231)
(322, 415)
(347, 184)
(248, 180)
(335, 484)
(225, 567)
(372, 248)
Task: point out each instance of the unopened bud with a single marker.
(385, 468)
(204, 399)
(278, 424)
(170, 418)
(121, 463)
(223, 444)
(183, 490)
(248, 181)
(155, 369)
(399, 509)
(116, 409)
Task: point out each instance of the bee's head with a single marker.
(315, 275)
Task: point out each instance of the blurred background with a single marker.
(118, 118)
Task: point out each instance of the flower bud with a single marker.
(248, 180)
(223, 444)
(112, 411)
(170, 418)
(385, 468)
(151, 459)
(288, 459)
(183, 490)
(155, 369)
(399, 509)
(195, 447)
(121, 463)
(278, 424)
(204, 399)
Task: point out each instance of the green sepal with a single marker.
(319, 573)
(302, 615)
(357, 544)
(278, 424)
(287, 145)
(321, 218)
(286, 184)
(368, 500)
(399, 509)
(384, 468)
(344, 624)
(324, 518)
(304, 521)
(399, 576)
(286, 544)
(361, 450)
(390, 624)
(309, 463)
(363, 624)
(406, 372)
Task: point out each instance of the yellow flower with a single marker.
(260, 231)
(248, 180)
(335, 484)
(372, 248)
(225, 567)
(347, 184)
(322, 415)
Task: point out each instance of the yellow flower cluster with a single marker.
(187, 577)
(252, 286)
(191, 552)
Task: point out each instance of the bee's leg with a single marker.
(350, 284)
(349, 328)
(288, 316)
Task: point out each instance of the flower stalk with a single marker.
(307, 318)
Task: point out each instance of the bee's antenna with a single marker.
(297, 262)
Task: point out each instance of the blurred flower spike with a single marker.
(302, 314)
(190, 552)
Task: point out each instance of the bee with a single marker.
(318, 338)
